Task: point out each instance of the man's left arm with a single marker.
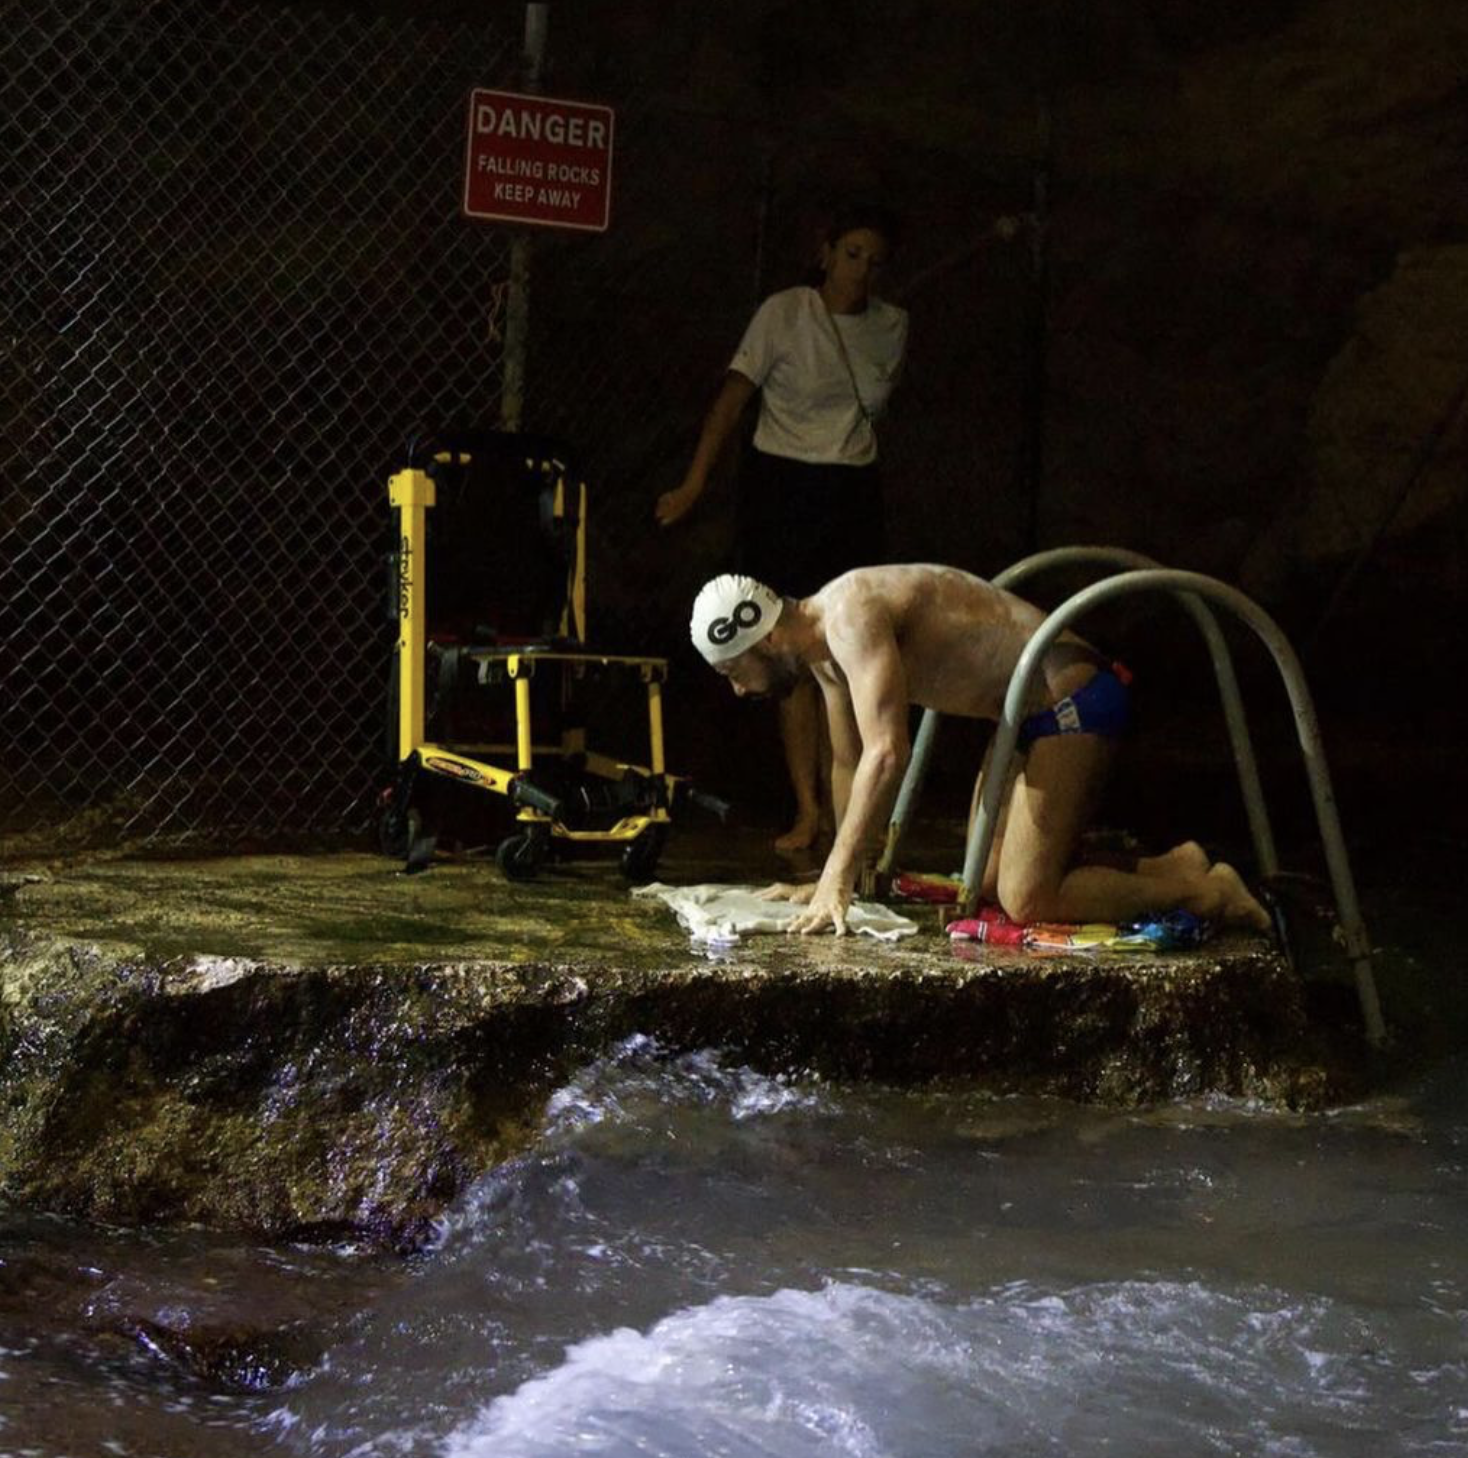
(868, 721)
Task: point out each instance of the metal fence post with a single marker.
(517, 308)
(1032, 445)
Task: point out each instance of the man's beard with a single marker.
(784, 674)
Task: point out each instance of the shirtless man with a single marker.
(879, 639)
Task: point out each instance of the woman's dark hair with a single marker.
(847, 218)
(864, 213)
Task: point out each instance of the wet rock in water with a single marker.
(329, 1078)
(250, 1328)
(244, 1317)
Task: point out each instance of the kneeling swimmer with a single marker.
(879, 639)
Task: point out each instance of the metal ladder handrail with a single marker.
(1221, 657)
(1006, 736)
(1120, 558)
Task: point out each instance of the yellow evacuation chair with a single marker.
(498, 628)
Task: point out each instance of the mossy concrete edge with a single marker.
(355, 1101)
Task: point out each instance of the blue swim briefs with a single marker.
(1102, 705)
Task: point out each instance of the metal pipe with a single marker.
(657, 763)
(524, 728)
(1250, 786)
(981, 836)
(1032, 445)
(517, 305)
(412, 493)
(907, 794)
(537, 28)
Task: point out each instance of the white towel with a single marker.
(715, 913)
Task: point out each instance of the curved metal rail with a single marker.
(1120, 559)
(981, 835)
(1239, 738)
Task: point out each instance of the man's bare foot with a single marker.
(802, 835)
(1235, 902)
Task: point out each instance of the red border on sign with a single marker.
(515, 219)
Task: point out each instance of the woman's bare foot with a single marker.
(1235, 904)
(802, 835)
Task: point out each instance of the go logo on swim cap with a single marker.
(748, 614)
(731, 614)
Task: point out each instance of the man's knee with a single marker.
(1027, 893)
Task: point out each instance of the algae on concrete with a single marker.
(318, 1047)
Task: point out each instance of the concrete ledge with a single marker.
(317, 1047)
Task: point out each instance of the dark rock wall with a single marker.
(1231, 190)
(1251, 330)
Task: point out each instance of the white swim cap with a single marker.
(731, 614)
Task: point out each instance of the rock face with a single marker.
(1386, 427)
(307, 1096)
(1254, 216)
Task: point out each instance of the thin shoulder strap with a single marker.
(861, 404)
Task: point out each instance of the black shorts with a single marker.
(801, 524)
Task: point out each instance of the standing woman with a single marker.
(824, 358)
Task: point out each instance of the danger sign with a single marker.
(537, 159)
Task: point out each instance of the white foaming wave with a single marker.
(744, 1377)
(638, 1083)
(1145, 1368)
(758, 1097)
(639, 1075)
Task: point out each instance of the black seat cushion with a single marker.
(500, 562)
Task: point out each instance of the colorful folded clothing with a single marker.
(927, 886)
(1170, 931)
(988, 925)
(1060, 937)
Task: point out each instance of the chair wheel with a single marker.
(640, 859)
(519, 856)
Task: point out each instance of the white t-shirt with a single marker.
(808, 409)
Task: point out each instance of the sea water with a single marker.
(699, 1259)
(695, 1258)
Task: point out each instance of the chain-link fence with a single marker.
(235, 278)
(238, 281)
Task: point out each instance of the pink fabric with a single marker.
(990, 925)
